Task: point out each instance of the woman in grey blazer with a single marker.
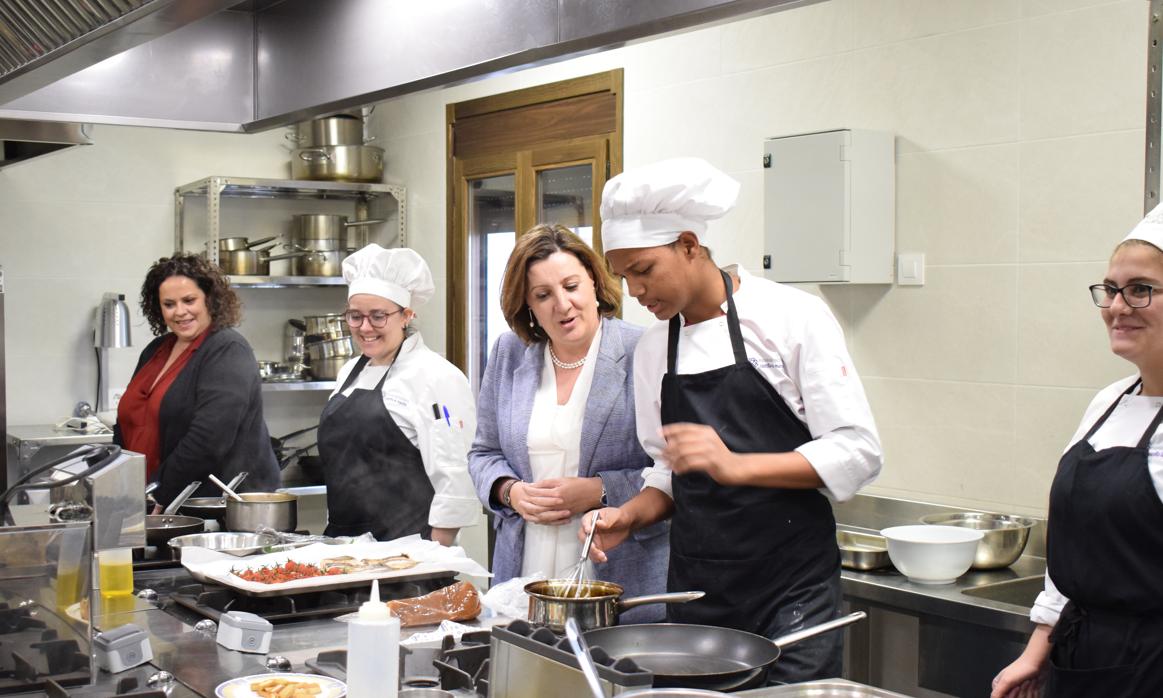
(555, 432)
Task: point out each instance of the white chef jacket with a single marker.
(1124, 427)
(794, 340)
(419, 378)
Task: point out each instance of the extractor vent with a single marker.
(30, 29)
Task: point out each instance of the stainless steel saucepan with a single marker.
(593, 604)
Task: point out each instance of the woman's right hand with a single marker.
(538, 504)
(1025, 676)
(613, 527)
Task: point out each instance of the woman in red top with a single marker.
(194, 404)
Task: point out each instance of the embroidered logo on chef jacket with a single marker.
(396, 400)
(765, 363)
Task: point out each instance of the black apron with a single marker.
(767, 558)
(1105, 553)
(375, 476)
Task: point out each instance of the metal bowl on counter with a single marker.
(1004, 538)
(862, 551)
(232, 543)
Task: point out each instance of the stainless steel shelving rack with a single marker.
(386, 201)
(202, 215)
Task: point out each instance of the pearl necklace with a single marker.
(563, 365)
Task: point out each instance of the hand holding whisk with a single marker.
(576, 576)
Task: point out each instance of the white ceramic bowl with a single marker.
(932, 554)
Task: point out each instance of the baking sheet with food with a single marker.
(318, 567)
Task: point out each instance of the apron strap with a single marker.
(737, 347)
(354, 373)
(1145, 440)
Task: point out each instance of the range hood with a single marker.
(24, 140)
(226, 65)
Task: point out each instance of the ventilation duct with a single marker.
(24, 140)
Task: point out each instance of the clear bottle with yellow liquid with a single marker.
(115, 572)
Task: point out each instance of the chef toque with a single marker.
(1150, 229)
(649, 206)
(399, 274)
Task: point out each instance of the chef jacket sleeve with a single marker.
(649, 367)
(845, 448)
(443, 443)
(1049, 604)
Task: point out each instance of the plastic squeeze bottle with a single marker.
(373, 650)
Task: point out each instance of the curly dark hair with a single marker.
(223, 304)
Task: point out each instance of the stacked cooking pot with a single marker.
(328, 345)
(238, 256)
(322, 240)
(334, 148)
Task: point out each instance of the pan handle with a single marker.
(181, 498)
(792, 638)
(673, 597)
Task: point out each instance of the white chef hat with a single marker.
(398, 274)
(649, 206)
(1150, 229)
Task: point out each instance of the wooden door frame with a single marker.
(457, 248)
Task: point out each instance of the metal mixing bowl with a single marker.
(1005, 535)
(862, 551)
(225, 542)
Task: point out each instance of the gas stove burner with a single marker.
(127, 687)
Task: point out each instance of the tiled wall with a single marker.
(76, 224)
(1020, 136)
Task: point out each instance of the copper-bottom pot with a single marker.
(592, 604)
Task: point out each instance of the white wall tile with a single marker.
(961, 326)
(890, 21)
(1079, 195)
(1032, 8)
(1045, 420)
(787, 36)
(947, 91)
(1083, 72)
(1061, 337)
(959, 206)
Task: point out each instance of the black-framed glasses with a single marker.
(1134, 295)
(378, 318)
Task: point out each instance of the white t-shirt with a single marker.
(1124, 427)
(420, 378)
(794, 340)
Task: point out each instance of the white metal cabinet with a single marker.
(829, 207)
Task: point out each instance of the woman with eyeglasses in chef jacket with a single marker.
(394, 436)
(1100, 619)
(750, 407)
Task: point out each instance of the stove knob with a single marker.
(147, 595)
(206, 626)
(162, 680)
(277, 662)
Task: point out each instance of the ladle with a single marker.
(226, 488)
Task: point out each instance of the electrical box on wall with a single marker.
(829, 207)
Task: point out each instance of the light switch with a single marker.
(910, 269)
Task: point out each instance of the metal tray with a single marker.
(862, 551)
(343, 581)
(827, 689)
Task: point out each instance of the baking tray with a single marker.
(862, 551)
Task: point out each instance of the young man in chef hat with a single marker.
(747, 400)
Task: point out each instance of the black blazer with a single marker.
(211, 420)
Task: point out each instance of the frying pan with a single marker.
(160, 528)
(703, 656)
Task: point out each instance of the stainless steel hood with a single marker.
(266, 63)
(24, 140)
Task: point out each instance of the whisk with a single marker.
(575, 577)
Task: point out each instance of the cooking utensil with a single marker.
(294, 342)
(326, 231)
(172, 507)
(577, 573)
(932, 554)
(211, 508)
(226, 542)
(862, 551)
(1004, 536)
(593, 604)
(341, 163)
(329, 326)
(250, 262)
(225, 488)
(703, 656)
(276, 510)
(241, 243)
(582, 652)
(342, 347)
(319, 263)
(331, 130)
(160, 528)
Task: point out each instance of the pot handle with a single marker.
(309, 155)
(181, 498)
(355, 224)
(792, 638)
(256, 243)
(673, 597)
(289, 255)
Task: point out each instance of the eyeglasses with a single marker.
(378, 318)
(1134, 295)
